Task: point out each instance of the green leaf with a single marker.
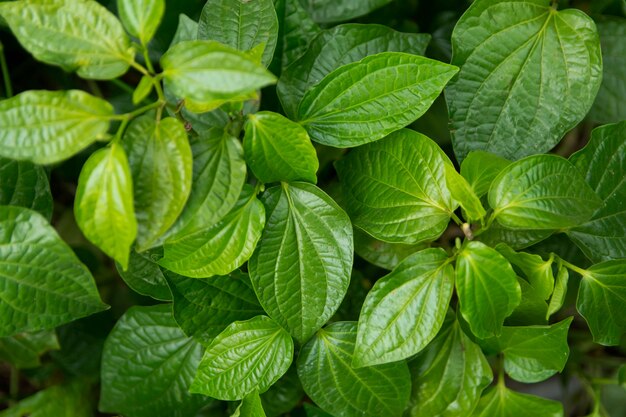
(220, 248)
(284, 395)
(330, 381)
(49, 126)
(23, 350)
(602, 300)
(297, 30)
(503, 402)
(404, 310)
(542, 192)
(141, 18)
(68, 400)
(336, 47)
(602, 162)
(26, 185)
(147, 366)
(103, 206)
(538, 271)
(208, 72)
(203, 308)
(143, 90)
(487, 288)
(560, 291)
(96, 48)
(332, 11)
(161, 163)
(301, 268)
(241, 24)
(250, 406)
(451, 364)
(355, 104)
(609, 105)
(528, 75)
(382, 254)
(312, 411)
(187, 30)
(532, 308)
(480, 169)
(144, 276)
(278, 149)
(249, 355)
(35, 264)
(516, 238)
(462, 192)
(395, 189)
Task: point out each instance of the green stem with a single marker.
(14, 387)
(604, 381)
(127, 117)
(582, 272)
(8, 88)
(122, 85)
(456, 219)
(146, 57)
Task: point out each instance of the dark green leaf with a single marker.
(23, 350)
(480, 169)
(312, 411)
(298, 30)
(503, 402)
(141, 18)
(516, 238)
(382, 254)
(250, 406)
(332, 11)
(538, 271)
(68, 400)
(144, 275)
(26, 185)
(532, 308)
(284, 395)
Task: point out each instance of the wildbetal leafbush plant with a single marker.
(233, 174)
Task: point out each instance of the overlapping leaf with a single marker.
(503, 402)
(480, 169)
(144, 276)
(141, 18)
(26, 185)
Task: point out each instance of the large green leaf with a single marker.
(141, 18)
(480, 169)
(449, 375)
(337, 47)
(542, 192)
(220, 248)
(147, 366)
(609, 105)
(405, 309)
(207, 73)
(487, 288)
(248, 355)
(24, 350)
(528, 75)
(144, 276)
(203, 308)
(395, 189)
(382, 254)
(357, 103)
(49, 29)
(49, 126)
(301, 268)
(68, 400)
(330, 381)
(103, 206)
(331, 11)
(161, 165)
(603, 163)
(538, 271)
(602, 301)
(500, 401)
(241, 24)
(26, 185)
(36, 265)
(278, 149)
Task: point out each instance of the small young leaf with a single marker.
(405, 309)
(462, 192)
(141, 18)
(538, 271)
(329, 380)
(355, 104)
(250, 406)
(278, 149)
(487, 288)
(24, 350)
(26, 185)
(542, 192)
(500, 401)
(104, 203)
(382, 254)
(247, 356)
(560, 291)
(49, 126)
(144, 88)
(480, 169)
(144, 276)
(332, 11)
(96, 48)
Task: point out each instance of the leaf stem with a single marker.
(8, 88)
(456, 219)
(582, 272)
(127, 117)
(14, 387)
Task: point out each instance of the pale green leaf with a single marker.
(25, 184)
(332, 11)
(382, 254)
(67, 400)
(144, 276)
(187, 30)
(143, 90)
(500, 401)
(141, 18)
(464, 194)
(50, 126)
(250, 406)
(560, 291)
(480, 169)
(24, 350)
(537, 271)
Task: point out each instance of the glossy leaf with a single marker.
(50, 126)
(602, 299)
(404, 310)
(26, 185)
(219, 248)
(503, 402)
(538, 271)
(141, 18)
(23, 350)
(277, 149)
(329, 380)
(250, 406)
(382, 254)
(328, 11)
(241, 24)
(247, 356)
(462, 192)
(301, 268)
(68, 400)
(449, 375)
(104, 203)
(144, 276)
(351, 106)
(161, 166)
(542, 192)
(603, 162)
(487, 288)
(147, 366)
(396, 190)
(97, 48)
(35, 264)
(338, 46)
(203, 308)
(480, 169)
(528, 75)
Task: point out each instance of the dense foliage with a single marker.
(230, 211)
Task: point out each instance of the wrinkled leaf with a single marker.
(26, 185)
